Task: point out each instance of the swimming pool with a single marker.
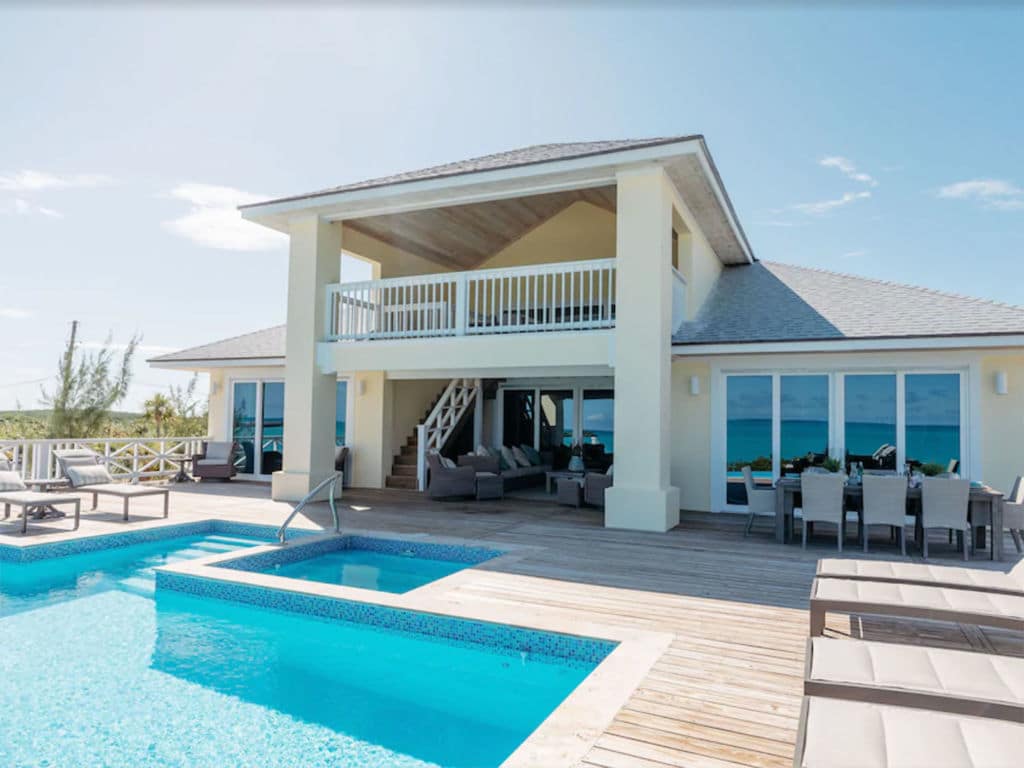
(380, 564)
(100, 669)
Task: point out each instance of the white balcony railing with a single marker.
(137, 458)
(574, 295)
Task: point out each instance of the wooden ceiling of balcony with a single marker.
(464, 236)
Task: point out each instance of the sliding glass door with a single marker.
(933, 419)
(748, 433)
(257, 424)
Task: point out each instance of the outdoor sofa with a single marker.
(449, 481)
(515, 476)
(83, 469)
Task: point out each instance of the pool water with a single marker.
(367, 569)
(100, 670)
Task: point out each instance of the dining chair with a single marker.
(760, 501)
(944, 505)
(885, 503)
(822, 503)
(1013, 514)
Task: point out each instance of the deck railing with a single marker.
(133, 458)
(574, 295)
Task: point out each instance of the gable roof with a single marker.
(515, 158)
(772, 302)
(265, 345)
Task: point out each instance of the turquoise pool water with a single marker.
(98, 669)
(369, 570)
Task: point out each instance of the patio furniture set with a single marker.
(869, 703)
(947, 502)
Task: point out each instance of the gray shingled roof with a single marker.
(767, 301)
(258, 345)
(539, 153)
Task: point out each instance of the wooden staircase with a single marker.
(403, 468)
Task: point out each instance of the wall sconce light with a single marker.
(1001, 382)
(214, 387)
(362, 387)
(695, 385)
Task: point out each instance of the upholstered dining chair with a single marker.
(885, 503)
(760, 501)
(823, 499)
(944, 505)
(1013, 514)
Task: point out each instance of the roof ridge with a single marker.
(895, 284)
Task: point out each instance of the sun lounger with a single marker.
(965, 606)
(940, 679)
(29, 500)
(856, 734)
(90, 477)
(926, 575)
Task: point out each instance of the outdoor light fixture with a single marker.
(1002, 385)
(695, 385)
(362, 387)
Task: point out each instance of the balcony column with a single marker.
(314, 261)
(642, 497)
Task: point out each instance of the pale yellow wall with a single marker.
(691, 435)
(394, 262)
(704, 270)
(409, 401)
(1002, 418)
(370, 391)
(580, 232)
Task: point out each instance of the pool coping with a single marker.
(569, 731)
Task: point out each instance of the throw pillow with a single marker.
(447, 463)
(532, 455)
(508, 461)
(520, 457)
(481, 450)
(610, 468)
(11, 481)
(93, 474)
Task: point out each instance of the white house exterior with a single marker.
(602, 292)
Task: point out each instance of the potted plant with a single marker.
(831, 464)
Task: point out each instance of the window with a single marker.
(869, 420)
(748, 433)
(518, 417)
(243, 425)
(341, 411)
(932, 418)
(597, 427)
(804, 409)
(557, 419)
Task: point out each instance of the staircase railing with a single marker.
(331, 481)
(433, 434)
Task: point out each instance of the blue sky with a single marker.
(879, 142)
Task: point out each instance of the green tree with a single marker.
(159, 409)
(87, 386)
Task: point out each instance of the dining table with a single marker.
(985, 507)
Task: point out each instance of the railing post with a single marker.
(461, 303)
(421, 457)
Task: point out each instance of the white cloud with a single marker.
(848, 169)
(34, 181)
(214, 221)
(853, 254)
(998, 194)
(825, 206)
(13, 313)
(21, 207)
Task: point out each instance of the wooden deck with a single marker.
(727, 691)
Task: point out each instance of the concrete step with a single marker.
(401, 481)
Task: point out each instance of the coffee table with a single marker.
(549, 476)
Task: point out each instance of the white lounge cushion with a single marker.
(939, 671)
(35, 498)
(11, 481)
(520, 457)
(919, 573)
(210, 463)
(88, 474)
(219, 450)
(853, 734)
(124, 490)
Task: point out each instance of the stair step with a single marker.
(400, 481)
(404, 461)
(403, 470)
(408, 450)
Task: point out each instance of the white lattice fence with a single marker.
(140, 458)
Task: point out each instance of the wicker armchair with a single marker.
(445, 482)
(594, 486)
(216, 462)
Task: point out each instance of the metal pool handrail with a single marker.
(333, 482)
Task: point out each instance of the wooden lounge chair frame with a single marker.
(28, 500)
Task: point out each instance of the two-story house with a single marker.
(600, 295)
